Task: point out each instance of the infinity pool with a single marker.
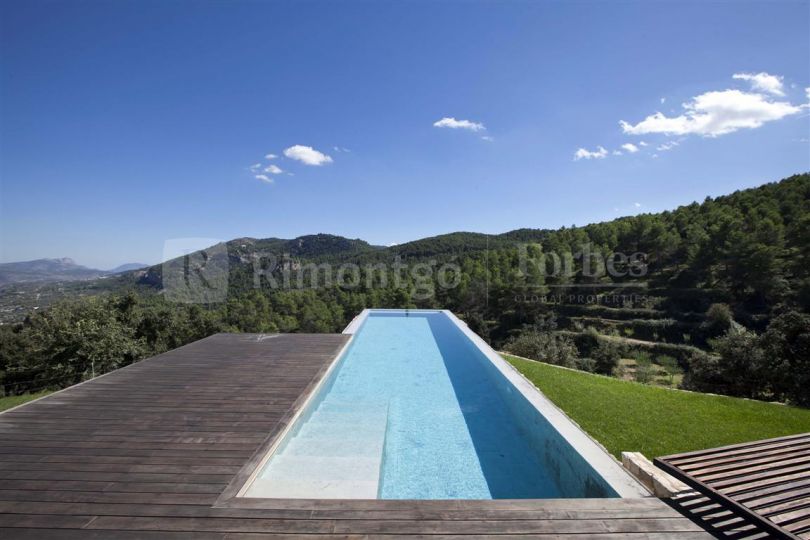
(415, 409)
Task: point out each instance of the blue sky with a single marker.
(125, 124)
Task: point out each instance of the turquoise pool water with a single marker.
(414, 410)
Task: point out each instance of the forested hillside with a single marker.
(718, 292)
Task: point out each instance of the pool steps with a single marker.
(321, 462)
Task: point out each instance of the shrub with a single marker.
(545, 347)
(786, 353)
(587, 342)
(705, 374)
(775, 365)
(641, 357)
(737, 370)
(478, 324)
(605, 357)
(644, 369)
(671, 367)
(586, 364)
(719, 319)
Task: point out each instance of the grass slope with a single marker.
(628, 416)
(13, 401)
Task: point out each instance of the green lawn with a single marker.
(13, 401)
(628, 416)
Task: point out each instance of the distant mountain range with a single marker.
(126, 268)
(690, 248)
(52, 270)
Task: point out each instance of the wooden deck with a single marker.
(153, 450)
(746, 490)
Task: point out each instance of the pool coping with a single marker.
(611, 470)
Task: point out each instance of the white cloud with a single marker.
(632, 148)
(307, 155)
(487, 138)
(270, 156)
(715, 113)
(582, 153)
(807, 93)
(663, 147)
(273, 169)
(452, 123)
(617, 153)
(637, 205)
(642, 143)
(264, 178)
(663, 100)
(256, 167)
(763, 82)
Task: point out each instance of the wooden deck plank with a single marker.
(149, 451)
(67, 534)
(147, 508)
(740, 449)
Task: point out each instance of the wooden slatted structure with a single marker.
(150, 451)
(766, 483)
